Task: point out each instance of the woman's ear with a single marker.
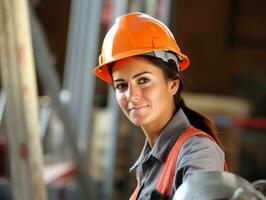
(173, 86)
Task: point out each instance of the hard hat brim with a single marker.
(102, 71)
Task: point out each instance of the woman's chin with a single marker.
(138, 122)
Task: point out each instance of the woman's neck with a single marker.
(151, 134)
(152, 131)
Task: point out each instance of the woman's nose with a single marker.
(133, 94)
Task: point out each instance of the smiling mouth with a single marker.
(135, 109)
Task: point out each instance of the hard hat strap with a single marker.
(165, 56)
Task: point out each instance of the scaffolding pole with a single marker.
(81, 57)
(19, 84)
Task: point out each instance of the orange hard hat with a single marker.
(136, 34)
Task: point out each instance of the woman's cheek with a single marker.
(120, 98)
(153, 93)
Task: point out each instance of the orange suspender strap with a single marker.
(135, 193)
(165, 181)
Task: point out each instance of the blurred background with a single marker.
(87, 145)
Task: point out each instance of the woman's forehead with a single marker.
(133, 65)
(135, 62)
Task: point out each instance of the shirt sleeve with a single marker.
(198, 153)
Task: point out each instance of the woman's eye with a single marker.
(143, 80)
(120, 86)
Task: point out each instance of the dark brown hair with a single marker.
(196, 119)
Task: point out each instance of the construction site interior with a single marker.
(82, 144)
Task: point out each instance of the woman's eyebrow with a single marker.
(119, 80)
(139, 74)
(135, 76)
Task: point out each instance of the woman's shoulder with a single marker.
(200, 153)
(200, 142)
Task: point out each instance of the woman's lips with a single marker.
(136, 109)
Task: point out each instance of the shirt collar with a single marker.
(165, 141)
(145, 151)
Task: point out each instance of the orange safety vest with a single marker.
(165, 180)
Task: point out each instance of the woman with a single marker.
(141, 59)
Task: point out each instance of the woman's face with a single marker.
(142, 91)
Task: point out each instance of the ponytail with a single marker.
(200, 121)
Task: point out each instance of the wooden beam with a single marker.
(19, 84)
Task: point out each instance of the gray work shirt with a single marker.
(196, 153)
